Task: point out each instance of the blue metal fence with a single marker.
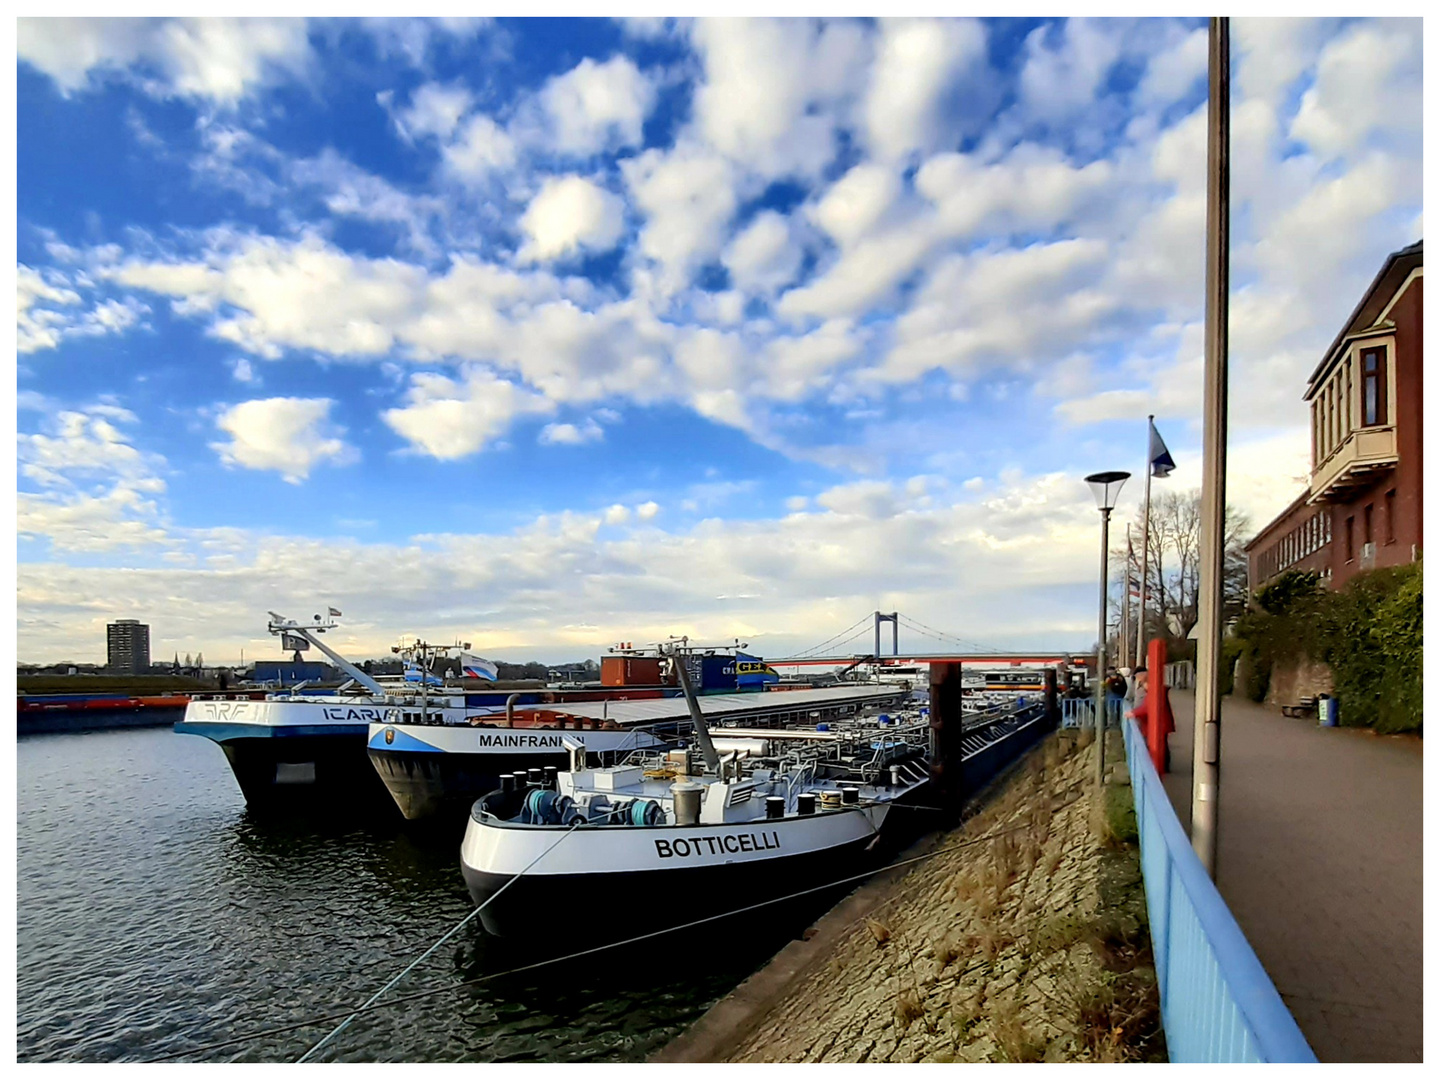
(1080, 712)
(1216, 1001)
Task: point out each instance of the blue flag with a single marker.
(1161, 463)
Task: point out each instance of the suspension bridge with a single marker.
(947, 648)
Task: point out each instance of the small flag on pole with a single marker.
(476, 667)
(1161, 463)
(334, 612)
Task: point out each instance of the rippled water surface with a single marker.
(157, 916)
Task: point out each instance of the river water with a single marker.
(156, 916)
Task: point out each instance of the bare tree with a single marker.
(1173, 585)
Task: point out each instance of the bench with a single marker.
(1305, 707)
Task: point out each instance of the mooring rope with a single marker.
(430, 951)
(373, 1006)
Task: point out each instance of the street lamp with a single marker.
(1105, 486)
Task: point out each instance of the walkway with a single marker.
(1320, 859)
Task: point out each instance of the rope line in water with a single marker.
(428, 952)
(449, 987)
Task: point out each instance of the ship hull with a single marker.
(439, 772)
(662, 877)
(295, 756)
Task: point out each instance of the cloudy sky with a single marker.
(551, 334)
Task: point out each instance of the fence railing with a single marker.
(1080, 713)
(1216, 1001)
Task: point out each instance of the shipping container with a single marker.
(630, 671)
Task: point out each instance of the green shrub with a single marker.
(1370, 633)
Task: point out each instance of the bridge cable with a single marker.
(915, 624)
(828, 640)
(448, 987)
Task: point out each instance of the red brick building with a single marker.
(1364, 505)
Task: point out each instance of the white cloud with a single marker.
(243, 371)
(570, 214)
(617, 515)
(290, 436)
(765, 256)
(773, 88)
(85, 443)
(304, 295)
(481, 148)
(435, 110)
(593, 107)
(119, 518)
(218, 59)
(1065, 65)
(688, 197)
(48, 310)
(450, 419)
(1013, 307)
(1366, 89)
(857, 202)
(1174, 72)
(918, 60)
(646, 511)
(570, 435)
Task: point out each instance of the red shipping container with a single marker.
(630, 671)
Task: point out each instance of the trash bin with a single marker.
(1327, 709)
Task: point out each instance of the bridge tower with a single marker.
(894, 620)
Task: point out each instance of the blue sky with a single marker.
(548, 334)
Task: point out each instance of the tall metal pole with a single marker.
(1122, 646)
(1144, 554)
(1205, 789)
(1100, 652)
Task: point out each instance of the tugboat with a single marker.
(761, 815)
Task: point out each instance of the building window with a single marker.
(1372, 363)
(1369, 511)
(1390, 516)
(1349, 538)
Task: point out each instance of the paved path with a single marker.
(1320, 860)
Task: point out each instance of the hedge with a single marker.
(1370, 633)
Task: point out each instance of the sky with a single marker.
(546, 335)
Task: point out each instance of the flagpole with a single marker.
(1124, 651)
(1144, 555)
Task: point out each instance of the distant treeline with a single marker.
(105, 683)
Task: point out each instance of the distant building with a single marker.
(1363, 506)
(128, 642)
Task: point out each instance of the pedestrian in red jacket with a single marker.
(1157, 731)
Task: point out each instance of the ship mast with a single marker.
(281, 625)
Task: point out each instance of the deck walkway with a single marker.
(1320, 859)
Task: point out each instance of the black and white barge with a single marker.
(762, 816)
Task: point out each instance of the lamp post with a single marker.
(1106, 488)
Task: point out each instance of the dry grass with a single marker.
(1054, 852)
(1015, 1040)
(879, 930)
(965, 1010)
(908, 1008)
(945, 951)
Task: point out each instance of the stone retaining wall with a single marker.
(1003, 947)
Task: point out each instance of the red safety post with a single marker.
(1159, 720)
